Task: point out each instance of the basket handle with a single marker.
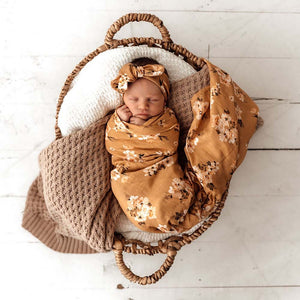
(171, 252)
(132, 17)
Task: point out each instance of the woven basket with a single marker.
(171, 245)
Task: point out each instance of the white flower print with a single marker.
(119, 125)
(224, 77)
(225, 128)
(164, 163)
(191, 144)
(115, 174)
(196, 140)
(157, 73)
(148, 137)
(122, 85)
(140, 208)
(124, 178)
(132, 156)
(215, 90)
(238, 92)
(204, 173)
(180, 189)
(163, 228)
(238, 111)
(200, 107)
(165, 153)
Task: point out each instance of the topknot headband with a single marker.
(153, 72)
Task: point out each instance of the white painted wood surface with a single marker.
(253, 250)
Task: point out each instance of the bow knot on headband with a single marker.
(152, 72)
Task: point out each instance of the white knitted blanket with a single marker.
(91, 97)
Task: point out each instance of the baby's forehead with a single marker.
(143, 86)
(147, 92)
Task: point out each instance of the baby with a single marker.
(143, 99)
(142, 136)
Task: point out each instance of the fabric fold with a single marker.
(147, 179)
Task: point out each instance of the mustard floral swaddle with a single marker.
(147, 179)
(152, 189)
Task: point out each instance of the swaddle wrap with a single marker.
(147, 179)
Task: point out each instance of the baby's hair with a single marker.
(142, 61)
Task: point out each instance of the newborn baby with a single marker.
(143, 100)
(142, 137)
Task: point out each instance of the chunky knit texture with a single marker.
(70, 204)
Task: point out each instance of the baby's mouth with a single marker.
(143, 115)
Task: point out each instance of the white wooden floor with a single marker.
(253, 250)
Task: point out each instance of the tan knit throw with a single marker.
(70, 206)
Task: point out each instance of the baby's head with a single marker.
(145, 90)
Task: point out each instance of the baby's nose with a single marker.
(143, 104)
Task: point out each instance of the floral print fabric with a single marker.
(147, 179)
(153, 72)
(151, 187)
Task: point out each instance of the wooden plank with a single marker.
(17, 171)
(264, 78)
(222, 34)
(254, 243)
(150, 292)
(267, 173)
(156, 5)
(281, 128)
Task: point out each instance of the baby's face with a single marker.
(144, 99)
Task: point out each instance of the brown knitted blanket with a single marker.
(70, 206)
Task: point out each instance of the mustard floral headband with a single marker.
(153, 72)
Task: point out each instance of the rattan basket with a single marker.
(171, 245)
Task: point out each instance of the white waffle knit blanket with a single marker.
(91, 97)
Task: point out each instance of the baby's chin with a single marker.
(146, 116)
